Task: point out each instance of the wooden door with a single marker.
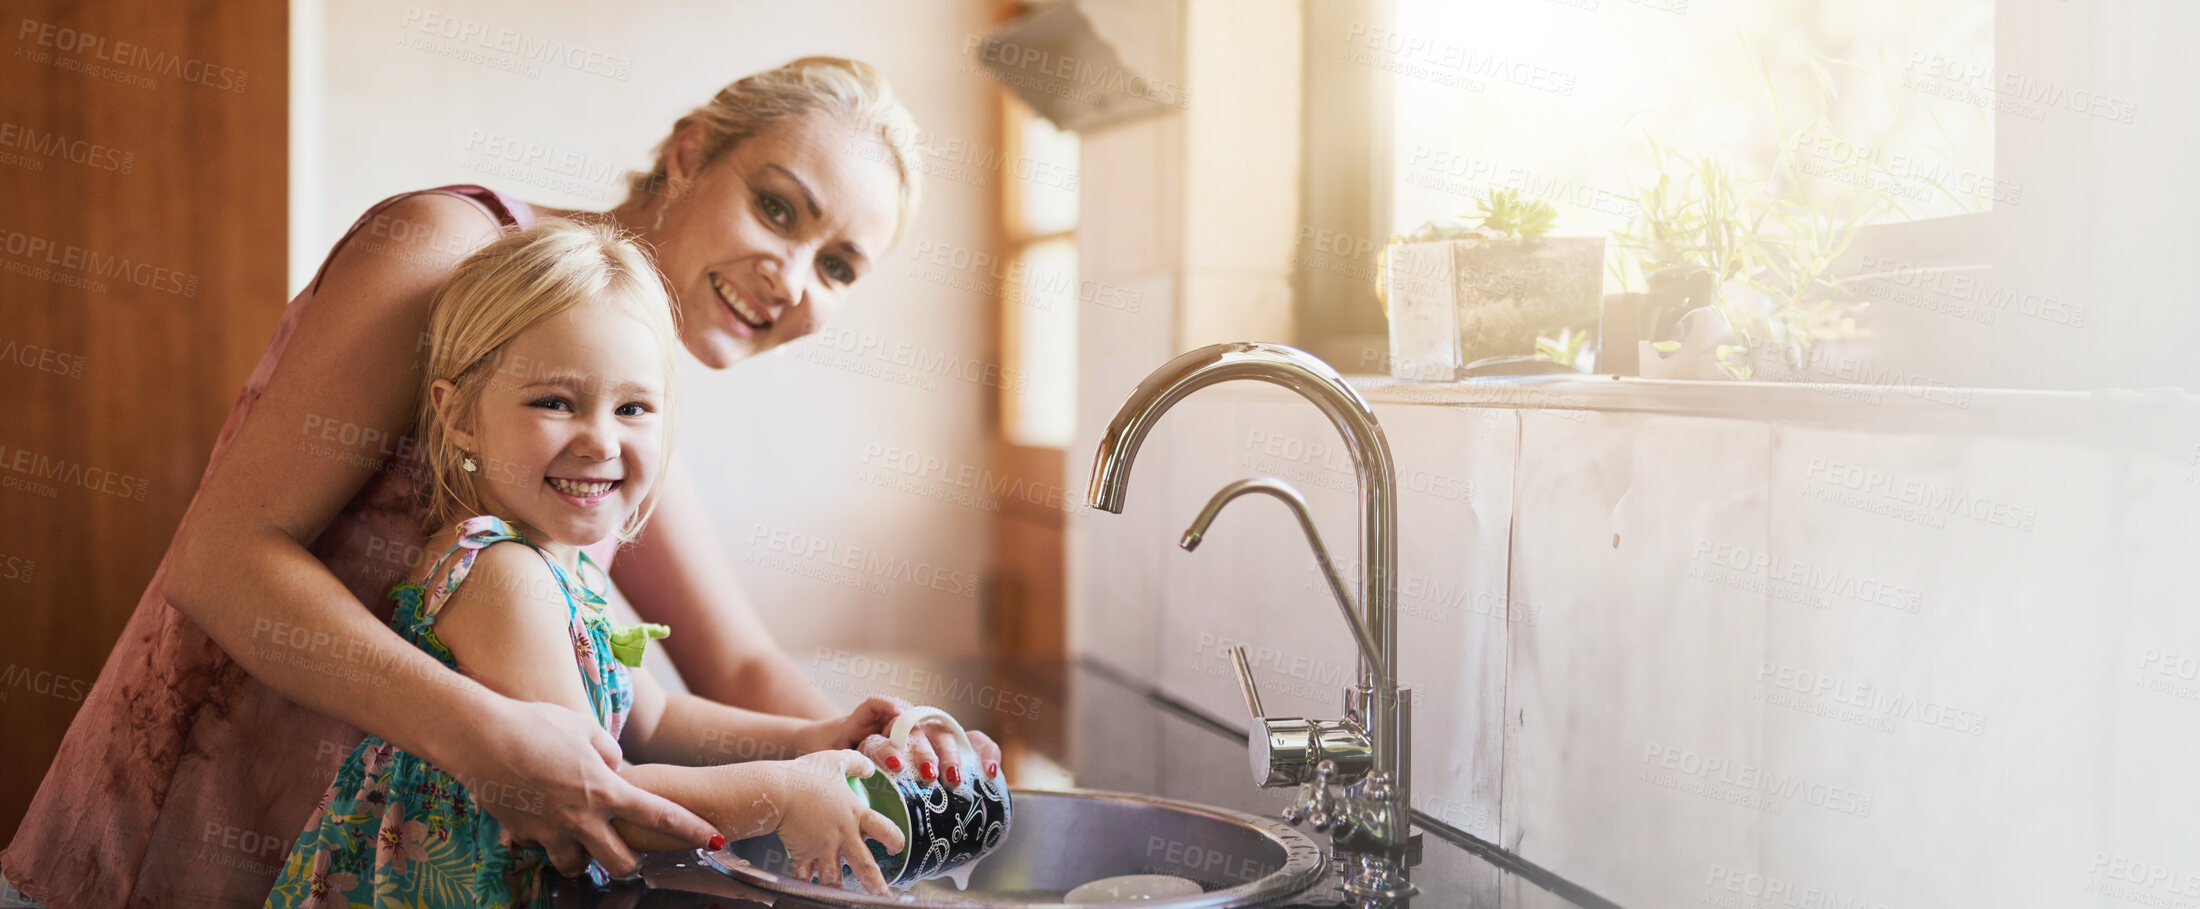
(143, 194)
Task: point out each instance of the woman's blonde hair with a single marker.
(850, 89)
(504, 288)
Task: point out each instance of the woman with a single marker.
(240, 682)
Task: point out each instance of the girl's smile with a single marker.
(584, 493)
(581, 491)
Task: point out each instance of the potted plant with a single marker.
(1468, 291)
(1738, 275)
(1692, 242)
(1803, 237)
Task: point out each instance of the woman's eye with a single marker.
(554, 403)
(837, 269)
(776, 210)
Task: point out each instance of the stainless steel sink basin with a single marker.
(1063, 839)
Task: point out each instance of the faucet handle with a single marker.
(1246, 685)
(1282, 749)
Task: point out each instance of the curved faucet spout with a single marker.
(1315, 381)
(1289, 367)
(1297, 503)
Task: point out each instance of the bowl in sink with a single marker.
(1066, 839)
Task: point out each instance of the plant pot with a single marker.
(1455, 302)
(1700, 333)
(1673, 292)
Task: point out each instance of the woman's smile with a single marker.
(738, 301)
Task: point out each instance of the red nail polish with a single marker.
(717, 842)
(992, 769)
(954, 775)
(926, 772)
(893, 763)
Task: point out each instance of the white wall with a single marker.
(781, 443)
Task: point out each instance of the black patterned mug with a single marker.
(943, 827)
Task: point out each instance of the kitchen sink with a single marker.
(1064, 839)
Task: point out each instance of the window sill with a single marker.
(2000, 411)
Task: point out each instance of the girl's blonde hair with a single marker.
(504, 288)
(850, 89)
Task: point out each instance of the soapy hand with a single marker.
(823, 824)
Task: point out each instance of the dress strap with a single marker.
(584, 591)
(628, 642)
(474, 535)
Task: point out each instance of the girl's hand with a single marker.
(546, 774)
(823, 825)
(870, 717)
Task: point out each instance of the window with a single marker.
(1560, 100)
(1040, 292)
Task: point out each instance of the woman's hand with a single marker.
(823, 825)
(546, 774)
(932, 751)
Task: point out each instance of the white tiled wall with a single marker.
(1733, 655)
(1616, 665)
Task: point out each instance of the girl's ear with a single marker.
(443, 396)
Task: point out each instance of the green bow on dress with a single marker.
(629, 641)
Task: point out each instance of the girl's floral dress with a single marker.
(395, 831)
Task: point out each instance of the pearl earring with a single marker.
(468, 464)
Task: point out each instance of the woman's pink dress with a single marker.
(182, 780)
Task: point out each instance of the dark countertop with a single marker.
(1109, 733)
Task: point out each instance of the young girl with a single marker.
(546, 398)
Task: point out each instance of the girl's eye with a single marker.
(837, 269)
(633, 409)
(554, 403)
(776, 210)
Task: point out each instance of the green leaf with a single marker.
(1504, 212)
(1734, 358)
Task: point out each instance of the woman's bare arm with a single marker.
(667, 728)
(676, 574)
(678, 728)
(243, 571)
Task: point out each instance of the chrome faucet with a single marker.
(1368, 753)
